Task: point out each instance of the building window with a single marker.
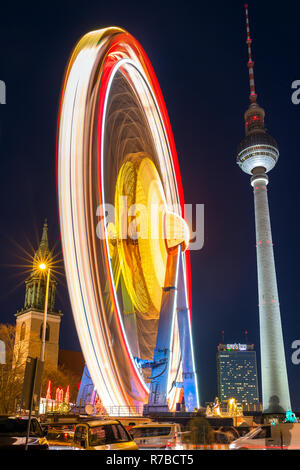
(23, 331)
(47, 335)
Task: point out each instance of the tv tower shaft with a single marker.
(275, 389)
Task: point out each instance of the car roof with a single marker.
(94, 423)
(16, 417)
(146, 425)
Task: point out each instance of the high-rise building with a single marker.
(257, 155)
(237, 373)
(29, 320)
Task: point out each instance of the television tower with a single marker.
(257, 154)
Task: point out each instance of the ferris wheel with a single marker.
(124, 237)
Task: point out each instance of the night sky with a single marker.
(199, 54)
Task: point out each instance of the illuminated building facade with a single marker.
(237, 373)
(257, 154)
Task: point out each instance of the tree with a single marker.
(11, 371)
(13, 368)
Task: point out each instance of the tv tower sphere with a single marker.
(257, 149)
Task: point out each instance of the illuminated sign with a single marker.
(236, 347)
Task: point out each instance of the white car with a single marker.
(157, 436)
(278, 436)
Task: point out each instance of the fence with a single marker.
(84, 407)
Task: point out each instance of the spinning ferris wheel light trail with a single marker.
(128, 275)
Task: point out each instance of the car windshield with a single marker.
(107, 434)
(18, 427)
(263, 433)
(253, 431)
(150, 431)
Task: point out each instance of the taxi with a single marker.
(102, 435)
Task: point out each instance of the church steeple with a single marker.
(36, 282)
(43, 253)
(29, 320)
(44, 246)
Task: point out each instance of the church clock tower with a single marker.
(29, 320)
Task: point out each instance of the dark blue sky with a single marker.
(199, 54)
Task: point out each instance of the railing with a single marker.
(107, 411)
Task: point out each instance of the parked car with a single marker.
(98, 435)
(13, 431)
(103, 435)
(277, 436)
(157, 436)
(130, 422)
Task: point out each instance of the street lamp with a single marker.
(43, 267)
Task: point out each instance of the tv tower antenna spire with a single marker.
(253, 95)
